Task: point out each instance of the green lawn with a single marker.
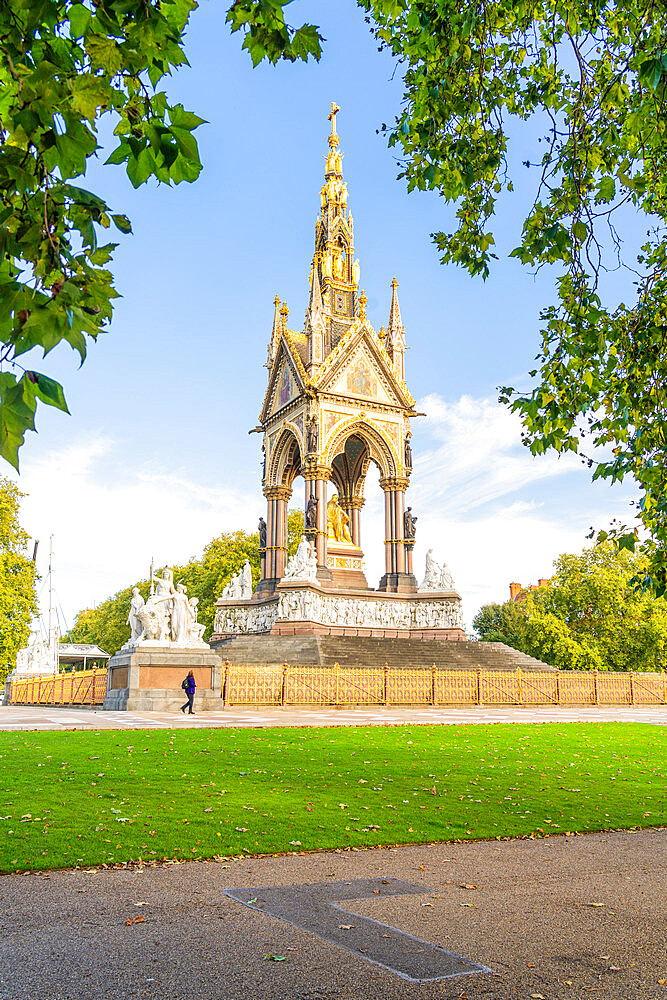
(105, 797)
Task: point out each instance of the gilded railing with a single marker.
(250, 684)
(79, 687)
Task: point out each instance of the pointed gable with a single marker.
(360, 367)
(286, 380)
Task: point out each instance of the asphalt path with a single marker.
(563, 917)
(31, 717)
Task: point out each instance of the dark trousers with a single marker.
(189, 703)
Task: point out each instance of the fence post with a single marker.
(386, 684)
(336, 682)
(518, 684)
(94, 676)
(53, 696)
(225, 682)
(558, 689)
(283, 687)
(632, 687)
(595, 686)
(664, 688)
(479, 686)
(434, 671)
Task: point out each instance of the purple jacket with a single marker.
(190, 685)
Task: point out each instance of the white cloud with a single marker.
(479, 456)
(108, 525)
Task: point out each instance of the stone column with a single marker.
(322, 477)
(399, 507)
(398, 578)
(281, 532)
(355, 504)
(277, 498)
(388, 545)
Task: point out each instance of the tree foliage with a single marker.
(18, 597)
(64, 66)
(591, 77)
(204, 578)
(589, 616)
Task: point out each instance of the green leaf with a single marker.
(79, 18)
(123, 223)
(580, 231)
(49, 391)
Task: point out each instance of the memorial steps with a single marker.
(366, 651)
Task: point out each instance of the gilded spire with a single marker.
(394, 309)
(362, 304)
(284, 313)
(395, 342)
(275, 332)
(315, 305)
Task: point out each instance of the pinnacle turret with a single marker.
(275, 332)
(396, 332)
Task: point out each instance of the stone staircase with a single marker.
(364, 651)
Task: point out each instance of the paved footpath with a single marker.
(17, 717)
(559, 918)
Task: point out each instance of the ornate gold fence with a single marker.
(80, 687)
(249, 684)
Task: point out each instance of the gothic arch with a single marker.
(285, 460)
(379, 450)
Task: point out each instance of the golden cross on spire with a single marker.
(333, 138)
(332, 116)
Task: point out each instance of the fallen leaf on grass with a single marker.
(141, 903)
(465, 885)
(346, 927)
(538, 996)
(467, 904)
(275, 958)
(135, 920)
(594, 904)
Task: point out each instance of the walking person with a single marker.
(189, 685)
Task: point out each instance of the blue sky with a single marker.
(156, 457)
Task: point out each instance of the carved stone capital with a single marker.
(397, 484)
(277, 493)
(312, 469)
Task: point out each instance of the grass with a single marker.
(89, 798)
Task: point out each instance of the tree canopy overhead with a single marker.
(592, 76)
(63, 67)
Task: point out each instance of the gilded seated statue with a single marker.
(337, 522)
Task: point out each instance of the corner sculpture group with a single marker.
(168, 616)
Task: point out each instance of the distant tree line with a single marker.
(106, 624)
(18, 596)
(589, 616)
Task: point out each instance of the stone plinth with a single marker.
(148, 679)
(345, 563)
(306, 609)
